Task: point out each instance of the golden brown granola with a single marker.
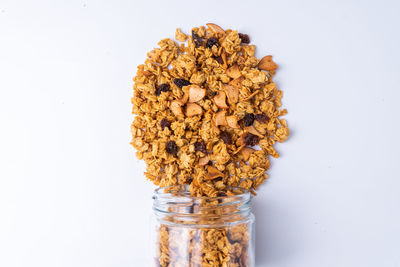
(201, 108)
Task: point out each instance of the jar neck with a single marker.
(175, 204)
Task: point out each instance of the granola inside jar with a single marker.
(203, 231)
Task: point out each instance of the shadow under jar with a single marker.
(203, 231)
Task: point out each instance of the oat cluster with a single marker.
(207, 112)
(199, 247)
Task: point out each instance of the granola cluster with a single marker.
(200, 247)
(207, 112)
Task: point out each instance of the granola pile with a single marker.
(207, 112)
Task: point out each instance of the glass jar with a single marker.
(203, 231)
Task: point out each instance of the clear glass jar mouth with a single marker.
(177, 201)
(158, 193)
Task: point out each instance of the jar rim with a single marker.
(159, 193)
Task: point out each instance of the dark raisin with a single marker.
(262, 117)
(200, 146)
(181, 82)
(212, 41)
(197, 39)
(172, 148)
(218, 179)
(164, 123)
(221, 194)
(226, 137)
(162, 88)
(244, 38)
(248, 119)
(251, 139)
(219, 60)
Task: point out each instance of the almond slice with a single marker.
(246, 152)
(220, 118)
(232, 121)
(250, 96)
(213, 173)
(254, 131)
(232, 93)
(196, 93)
(204, 161)
(266, 63)
(220, 100)
(193, 109)
(176, 107)
(234, 72)
(215, 28)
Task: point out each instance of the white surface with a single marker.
(72, 192)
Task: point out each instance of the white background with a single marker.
(73, 194)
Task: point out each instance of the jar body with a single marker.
(204, 237)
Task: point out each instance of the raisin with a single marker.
(212, 41)
(181, 82)
(226, 137)
(162, 88)
(221, 194)
(251, 139)
(164, 123)
(200, 146)
(172, 148)
(197, 39)
(262, 117)
(218, 179)
(219, 60)
(244, 38)
(248, 119)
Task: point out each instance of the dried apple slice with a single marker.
(196, 93)
(176, 107)
(246, 152)
(232, 121)
(193, 109)
(254, 131)
(220, 118)
(204, 161)
(266, 63)
(213, 173)
(234, 72)
(232, 93)
(220, 100)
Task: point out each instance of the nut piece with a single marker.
(215, 28)
(213, 173)
(220, 118)
(266, 63)
(234, 72)
(246, 152)
(232, 93)
(196, 93)
(232, 121)
(176, 107)
(204, 161)
(220, 100)
(193, 109)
